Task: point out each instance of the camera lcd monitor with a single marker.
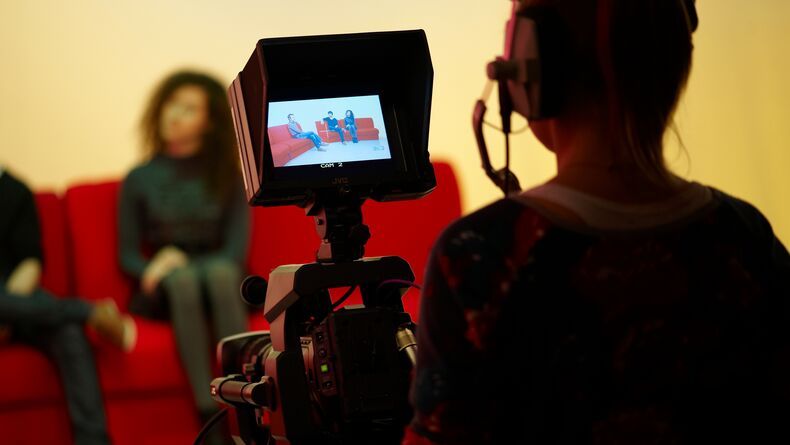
(328, 132)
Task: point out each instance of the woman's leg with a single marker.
(41, 309)
(222, 279)
(73, 357)
(339, 131)
(183, 292)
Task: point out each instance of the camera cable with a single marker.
(344, 297)
(212, 422)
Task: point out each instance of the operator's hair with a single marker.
(329, 112)
(289, 116)
(634, 56)
(218, 148)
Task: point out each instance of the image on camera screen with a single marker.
(327, 131)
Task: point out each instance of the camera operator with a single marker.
(618, 302)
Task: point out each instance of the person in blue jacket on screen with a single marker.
(332, 125)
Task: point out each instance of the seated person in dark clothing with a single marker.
(351, 125)
(296, 131)
(332, 125)
(30, 315)
(618, 303)
(184, 223)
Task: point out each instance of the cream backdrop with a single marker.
(75, 76)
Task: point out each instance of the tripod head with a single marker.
(338, 221)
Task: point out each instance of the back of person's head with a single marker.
(626, 66)
(218, 147)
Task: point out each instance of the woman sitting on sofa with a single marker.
(351, 125)
(184, 222)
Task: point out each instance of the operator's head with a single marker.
(626, 63)
(330, 114)
(290, 118)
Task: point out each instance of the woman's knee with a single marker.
(68, 341)
(182, 284)
(222, 270)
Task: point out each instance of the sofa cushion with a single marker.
(152, 367)
(35, 424)
(30, 378)
(52, 220)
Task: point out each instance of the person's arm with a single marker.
(129, 230)
(236, 227)
(165, 261)
(450, 379)
(25, 246)
(149, 273)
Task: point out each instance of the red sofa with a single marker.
(147, 397)
(365, 130)
(286, 147)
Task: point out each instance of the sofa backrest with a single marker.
(279, 133)
(92, 212)
(409, 228)
(284, 235)
(52, 220)
(280, 235)
(364, 122)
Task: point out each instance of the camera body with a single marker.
(355, 374)
(323, 375)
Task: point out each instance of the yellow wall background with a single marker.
(75, 76)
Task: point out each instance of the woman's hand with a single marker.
(165, 261)
(25, 277)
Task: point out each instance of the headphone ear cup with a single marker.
(539, 44)
(524, 89)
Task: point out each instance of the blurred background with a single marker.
(75, 76)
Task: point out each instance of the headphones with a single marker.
(535, 59)
(532, 72)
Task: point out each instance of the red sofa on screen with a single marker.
(146, 393)
(365, 130)
(286, 147)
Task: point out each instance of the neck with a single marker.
(590, 163)
(184, 149)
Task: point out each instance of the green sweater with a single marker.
(166, 201)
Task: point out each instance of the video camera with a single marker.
(326, 374)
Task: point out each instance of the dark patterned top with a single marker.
(533, 332)
(19, 229)
(167, 201)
